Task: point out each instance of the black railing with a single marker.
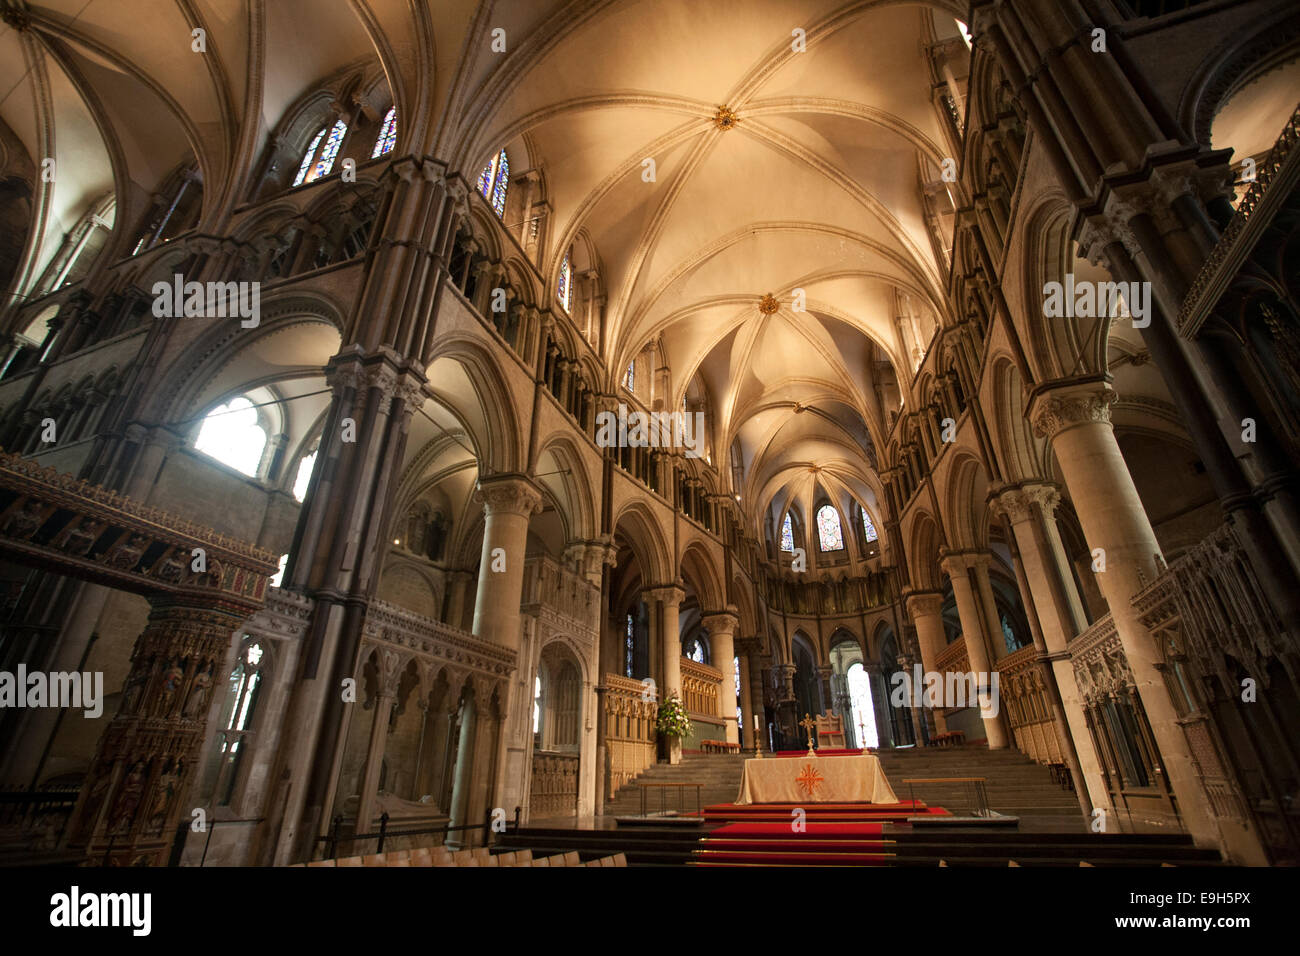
(41, 814)
(335, 837)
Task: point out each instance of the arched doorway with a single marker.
(851, 692)
(901, 730)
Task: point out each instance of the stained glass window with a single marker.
(566, 283)
(787, 534)
(492, 182)
(329, 151)
(537, 704)
(868, 527)
(629, 379)
(829, 535)
(307, 158)
(387, 134)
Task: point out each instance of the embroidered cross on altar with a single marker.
(809, 780)
(808, 724)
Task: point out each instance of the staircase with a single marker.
(1016, 786)
(719, 773)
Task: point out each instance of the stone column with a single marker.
(508, 503)
(925, 608)
(879, 704)
(389, 674)
(458, 583)
(955, 565)
(1076, 419)
(670, 639)
(722, 631)
(746, 730)
(1029, 509)
(460, 786)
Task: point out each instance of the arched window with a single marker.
(868, 528)
(387, 135)
(245, 684)
(307, 173)
(303, 478)
(565, 288)
(829, 535)
(629, 377)
(697, 650)
(537, 704)
(308, 157)
(233, 436)
(492, 182)
(787, 534)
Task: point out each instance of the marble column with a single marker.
(722, 631)
(1076, 420)
(956, 565)
(925, 608)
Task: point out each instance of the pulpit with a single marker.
(830, 731)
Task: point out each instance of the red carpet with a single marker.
(782, 813)
(832, 834)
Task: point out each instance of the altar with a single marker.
(856, 778)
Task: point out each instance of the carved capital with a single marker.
(1054, 412)
(1015, 504)
(926, 604)
(513, 495)
(672, 595)
(723, 623)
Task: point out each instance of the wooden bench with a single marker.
(953, 738)
(719, 747)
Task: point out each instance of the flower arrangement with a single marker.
(672, 721)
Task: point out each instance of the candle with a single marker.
(756, 721)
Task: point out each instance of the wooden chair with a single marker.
(524, 858)
(350, 861)
(830, 730)
(374, 859)
(620, 859)
(320, 863)
(422, 857)
(505, 859)
(571, 859)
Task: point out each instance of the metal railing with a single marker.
(335, 837)
(681, 796)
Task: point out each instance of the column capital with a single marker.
(509, 494)
(722, 622)
(1017, 501)
(923, 604)
(954, 562)
(1065, 407)
(670, 594)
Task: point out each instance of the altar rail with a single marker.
(630, 713)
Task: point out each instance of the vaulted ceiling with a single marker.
(814, 184)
